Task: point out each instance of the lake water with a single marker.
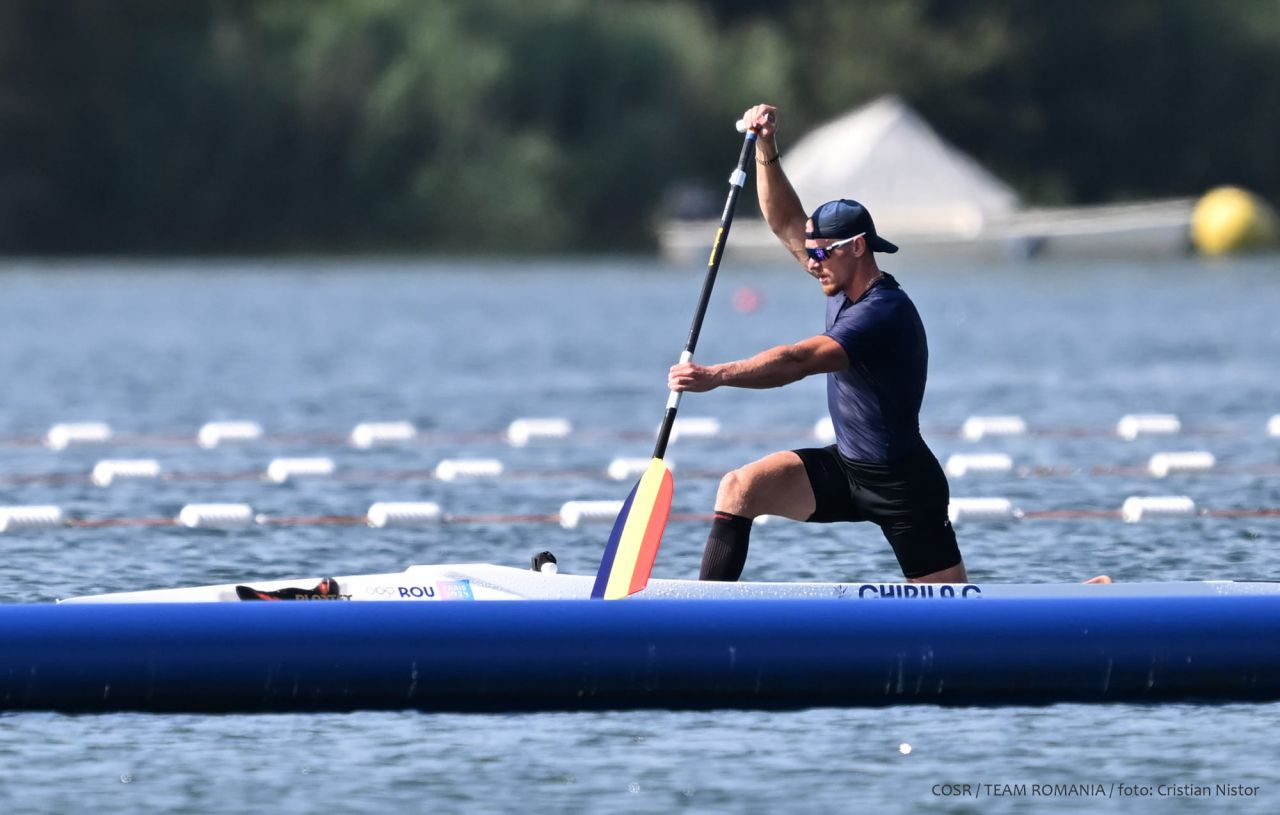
(462, 348)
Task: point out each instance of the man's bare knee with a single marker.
(734, 494)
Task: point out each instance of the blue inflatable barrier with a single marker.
(572, 655)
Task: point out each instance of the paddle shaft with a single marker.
(736, 181)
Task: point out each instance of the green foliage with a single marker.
(546, 125)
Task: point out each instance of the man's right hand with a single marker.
(689, 376)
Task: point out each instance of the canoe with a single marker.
(485, 581)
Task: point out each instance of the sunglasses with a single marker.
(821, 253)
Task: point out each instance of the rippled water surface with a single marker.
(463, 348)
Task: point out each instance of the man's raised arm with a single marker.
(779, 203)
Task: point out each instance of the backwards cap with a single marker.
(844, 219)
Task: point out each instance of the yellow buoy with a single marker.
(1229, 219)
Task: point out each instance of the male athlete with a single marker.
(875, 357)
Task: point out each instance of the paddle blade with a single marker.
(637, 533)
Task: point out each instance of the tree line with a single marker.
(227, 126)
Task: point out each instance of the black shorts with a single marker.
(907, 499)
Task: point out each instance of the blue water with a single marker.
(461, 348)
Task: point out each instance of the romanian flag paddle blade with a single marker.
(633, 544)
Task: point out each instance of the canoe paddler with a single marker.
(875, 356)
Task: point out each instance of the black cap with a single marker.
(844, 219)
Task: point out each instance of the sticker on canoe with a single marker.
(907, 590)
(440, 590)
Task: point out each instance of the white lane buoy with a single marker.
(369, 434)
(1134, 425)
(976, 428)
(212, 434)
(62, 436)
(522, 431)
(105, 472)
(13, 519)
(962, 510)
(216, 516)
(575, 513)
(1273, 426)
(625, 469)
(960, 464)
(1163, 464)
(452, 469)
(695, 427)
(281, 470)
(403, 513)
(1142, 508)
(824, 430)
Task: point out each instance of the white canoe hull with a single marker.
(484, 581)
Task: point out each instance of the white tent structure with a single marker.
(935, 201)
(887, 157)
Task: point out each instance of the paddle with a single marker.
(637, 533)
